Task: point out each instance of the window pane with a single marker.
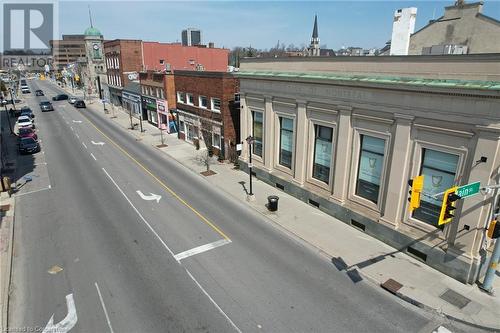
(439, 170)
(371, 160)
(286, 142)
(257, 133)
(322, 153)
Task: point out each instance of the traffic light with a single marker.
(493, 229)
(448, 206)
(416, 187)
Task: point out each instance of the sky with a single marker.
(259, 24)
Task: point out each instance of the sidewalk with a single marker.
(353, 252)
(7, 207)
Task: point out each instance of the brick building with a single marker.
(123, 63)
(208, 109)
(158, 99)
(173, 56)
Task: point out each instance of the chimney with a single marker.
(211, 45)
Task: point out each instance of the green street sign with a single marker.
(468, 190)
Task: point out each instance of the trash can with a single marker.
(272, 203)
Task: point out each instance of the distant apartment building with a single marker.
(402, 27)
(208, 110)
(345, 134)
(191, 37)
(463, 29)
(123, 64)
(68, 50)
(174, 56)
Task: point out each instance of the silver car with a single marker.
(72, 100)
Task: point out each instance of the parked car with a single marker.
(46, 106)
(25, 121)
(26, 132)
(39, 93)
(60, 97)
(26, 111)
(28, 145)
(79, 104)
(72, 100)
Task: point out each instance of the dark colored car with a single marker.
(79, 104)
(39, 93)
(26, 111)
(27, 133)
(46, 106)
(60, 97)
(28, 146)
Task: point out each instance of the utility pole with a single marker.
(250, 140)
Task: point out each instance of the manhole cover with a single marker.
(392, 286)
(455, 298)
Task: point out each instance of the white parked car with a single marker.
(25, 121)
(72, 100)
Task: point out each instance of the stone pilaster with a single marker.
(343, 154)
(301, 143)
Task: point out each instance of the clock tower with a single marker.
(94, 70)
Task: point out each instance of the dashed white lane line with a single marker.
(77, 135)
(201, 249)
(95, 159)
(213, 301)
(83, 143)
(71, 128)
(170, 251)
(104, 308)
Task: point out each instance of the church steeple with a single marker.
(314, 49)
(315, 29)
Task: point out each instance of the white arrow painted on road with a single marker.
(149, 197)
(67, 323)
(98, 143)
(77, 121)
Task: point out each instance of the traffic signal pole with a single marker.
(487, 284)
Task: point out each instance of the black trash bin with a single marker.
(272, 203)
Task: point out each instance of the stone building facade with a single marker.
(346, 135)
(462, 27)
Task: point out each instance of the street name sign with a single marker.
(468, 190)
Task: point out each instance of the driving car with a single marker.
(72, 100)
(26, 132)
(28, 145)
(39, 93)
(60, 97)
(46, 106)
(25, 121)
(25, 90)
(79, 104)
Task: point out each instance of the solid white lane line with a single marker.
(213, 301)
(35, 191)
(140, 215)
(83, 143)
(104, 307)
(201, 249)
(95, 159)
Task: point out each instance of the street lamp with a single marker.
(250, 141)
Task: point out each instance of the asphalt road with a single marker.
(83, 230)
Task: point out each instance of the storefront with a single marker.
(161, 108)
(150, 106)
(115, 96)
(132, 103)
